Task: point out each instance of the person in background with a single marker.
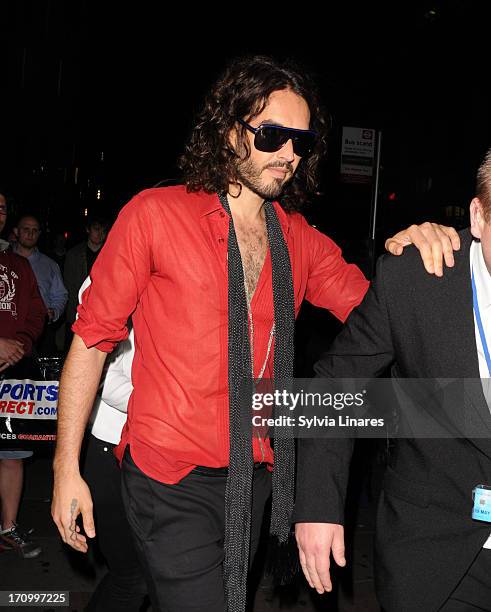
(48, 275)
(58, 249)
(78, 264)
(58, 252)
(22, 317)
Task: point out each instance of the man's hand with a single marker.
(71, 496)
(11, 351)
(51, 314)
(315, 543)
(435, 243)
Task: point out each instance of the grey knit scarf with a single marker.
(238, 495)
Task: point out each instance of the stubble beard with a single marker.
(249, 175)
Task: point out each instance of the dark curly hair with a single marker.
(209, 161)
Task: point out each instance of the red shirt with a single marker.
(165, 264)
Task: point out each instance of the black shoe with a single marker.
(17, 539)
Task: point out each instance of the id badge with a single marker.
(482, 503)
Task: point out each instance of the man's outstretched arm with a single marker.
(71, 495)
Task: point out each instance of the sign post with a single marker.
(373, 214)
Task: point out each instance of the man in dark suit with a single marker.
(429, 553)
(78, 264)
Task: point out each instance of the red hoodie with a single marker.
(22, 310)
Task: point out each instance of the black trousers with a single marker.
(473, 593)
(123, 588)
(179, 533)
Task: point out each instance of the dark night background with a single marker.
(101, 97)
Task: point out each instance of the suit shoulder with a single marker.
(409, 265)
(409, 262)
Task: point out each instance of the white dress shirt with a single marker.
(111, 403)
(482, 279)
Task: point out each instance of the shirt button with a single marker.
(222, 214)
(220, 240)
(105, 449)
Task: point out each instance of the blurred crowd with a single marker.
(38, 301)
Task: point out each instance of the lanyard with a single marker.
(480, 325)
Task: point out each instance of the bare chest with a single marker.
(253, 245)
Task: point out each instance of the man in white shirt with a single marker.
(430, 554)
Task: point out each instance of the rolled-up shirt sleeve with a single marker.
(119, 276)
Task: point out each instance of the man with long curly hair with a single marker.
(213, 273)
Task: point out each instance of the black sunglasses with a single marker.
(270, 138)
